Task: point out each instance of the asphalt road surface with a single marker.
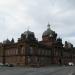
(69, 70)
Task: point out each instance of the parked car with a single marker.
(70, 63)
(6, 64)
(1, 64)
(10, 65)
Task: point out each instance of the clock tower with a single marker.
(49, 36)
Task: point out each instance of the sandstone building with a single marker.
(28, 51)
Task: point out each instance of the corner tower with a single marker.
(27, 36)
(49, 36)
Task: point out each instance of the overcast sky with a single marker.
(16, 16)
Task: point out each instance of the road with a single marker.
(69, 70)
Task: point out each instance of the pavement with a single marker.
(55, 70)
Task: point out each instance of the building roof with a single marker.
(49, 32)
(27, 33)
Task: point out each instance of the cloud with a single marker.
(17, 15)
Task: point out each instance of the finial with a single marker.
(48, 26)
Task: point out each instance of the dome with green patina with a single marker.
(49, 32)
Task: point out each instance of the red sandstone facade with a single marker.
(30, 52)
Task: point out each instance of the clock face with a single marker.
(50, 35)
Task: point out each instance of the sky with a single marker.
(16, 16)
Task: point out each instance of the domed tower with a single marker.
(27, 35)
(49, 36)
